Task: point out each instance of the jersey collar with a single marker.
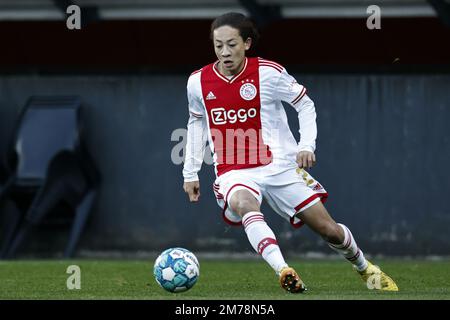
(224, 78)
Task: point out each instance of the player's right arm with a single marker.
(196, 139)
(192, 188)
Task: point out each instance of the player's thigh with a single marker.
(319, 220)
(294, 192)
(244, 187)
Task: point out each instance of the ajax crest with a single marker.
(248, 91)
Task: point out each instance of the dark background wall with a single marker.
(383, 111)
(383, 152)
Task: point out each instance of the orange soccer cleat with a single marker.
(290, 281)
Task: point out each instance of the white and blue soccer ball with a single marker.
(176, 269)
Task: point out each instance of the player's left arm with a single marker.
(306, 157)
(291, 91)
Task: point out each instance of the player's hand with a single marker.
(306, 159)
(193, 190)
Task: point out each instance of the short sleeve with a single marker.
(287, 89)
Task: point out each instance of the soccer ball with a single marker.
(176, 269)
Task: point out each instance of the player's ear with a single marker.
(248, 43)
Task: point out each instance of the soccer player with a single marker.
(235, 104)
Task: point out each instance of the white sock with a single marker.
(349, 249)
(263, 240)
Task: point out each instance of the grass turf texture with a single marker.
(219, 280)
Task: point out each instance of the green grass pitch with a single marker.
(219, 280)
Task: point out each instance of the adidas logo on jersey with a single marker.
(210, 96)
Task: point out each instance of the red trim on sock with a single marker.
(264, 243)
(349, 240)
(253, 218)
(355, 256)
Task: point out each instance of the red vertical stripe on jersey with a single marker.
(234, 118)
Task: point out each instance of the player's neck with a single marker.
(230, 73)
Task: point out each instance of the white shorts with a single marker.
(288, 190)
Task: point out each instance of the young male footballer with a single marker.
(235, 104)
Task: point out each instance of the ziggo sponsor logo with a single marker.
(221, 116)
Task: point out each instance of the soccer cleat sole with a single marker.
(291, 282)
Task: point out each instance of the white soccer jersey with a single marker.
(249, 101)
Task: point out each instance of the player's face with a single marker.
(230, 49)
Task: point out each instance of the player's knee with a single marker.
(243, 202)
(243, 206)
